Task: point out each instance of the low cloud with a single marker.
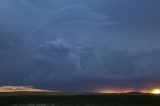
(57, 62)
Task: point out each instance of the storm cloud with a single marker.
(80, 45)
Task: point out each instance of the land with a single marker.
(76, 99)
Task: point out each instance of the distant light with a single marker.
(156, 91)
(113, 90)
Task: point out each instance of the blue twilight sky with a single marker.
(80, 45)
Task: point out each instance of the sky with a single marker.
(80, 45)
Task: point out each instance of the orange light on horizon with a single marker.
(114, 90)
(125, 90)
(21, 88)
(155, 91)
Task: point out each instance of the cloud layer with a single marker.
(79, 45)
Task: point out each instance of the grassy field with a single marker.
(77, 99)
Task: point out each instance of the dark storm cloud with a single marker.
(62, 43)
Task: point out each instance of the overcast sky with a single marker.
(80, 45)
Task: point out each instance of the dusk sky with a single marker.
(80, 45)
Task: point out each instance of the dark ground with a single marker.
(76, 99)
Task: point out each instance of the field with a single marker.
(77, 99)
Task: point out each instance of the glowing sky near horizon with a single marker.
(80, 45)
